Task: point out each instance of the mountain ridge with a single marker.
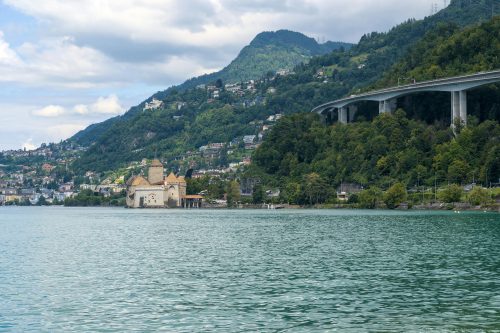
(342, 71)
(304, 47)
(290, 47)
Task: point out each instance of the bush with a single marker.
(395, 195)
(42, 201)
(353, 199)
(479, 196)
(369, 198)
(451, 193)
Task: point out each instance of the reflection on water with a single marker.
(121, 270)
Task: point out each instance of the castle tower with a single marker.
(155, 173)
(172, 188)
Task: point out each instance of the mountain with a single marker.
(202, 119)
(268, 52)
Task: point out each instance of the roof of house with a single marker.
(171, 178)
(137, 181)
(194, 196)
(156, 163)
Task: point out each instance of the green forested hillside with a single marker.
(447, 52)
(390, 149)
(140, 134)
(410, 147)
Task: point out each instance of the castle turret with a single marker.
(155, 173)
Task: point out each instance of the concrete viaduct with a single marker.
(457, 86)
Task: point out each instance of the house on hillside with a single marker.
(345, 190)
(153, 105)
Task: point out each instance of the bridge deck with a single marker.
(458, 83)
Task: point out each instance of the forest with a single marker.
(414, 147)
(302, 154)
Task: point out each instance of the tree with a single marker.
(223, 157)
(451, 193)
(292, 192)
(458, 170)
(42, 201)
(233, 193)
(258, 194)
(315, 188)
(395, 195)
(368, 198)
(25, 202)
(479, 196)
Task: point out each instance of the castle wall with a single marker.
(173, 198)
(149, 197)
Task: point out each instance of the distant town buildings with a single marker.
(275, 117)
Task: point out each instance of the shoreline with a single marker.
(458, 207)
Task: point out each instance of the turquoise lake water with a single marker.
(121, 270)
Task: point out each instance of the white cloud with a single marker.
(60, 63)
(81, 109)
(50, 111)
(92, 44)
(7, 55)
(211, 23)
(28, 145)
(107, 105)
(54, 62)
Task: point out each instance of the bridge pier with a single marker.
(388, 105)
(352, 112)
(459, 107)
(326, 116)
(343, 115)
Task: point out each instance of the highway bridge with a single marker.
(456, 86)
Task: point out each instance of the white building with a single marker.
(153, 105)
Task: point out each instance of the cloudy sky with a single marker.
(65, 64)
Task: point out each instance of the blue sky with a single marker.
(65, 64)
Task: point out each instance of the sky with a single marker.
(65, 64)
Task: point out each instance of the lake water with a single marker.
(117, 270)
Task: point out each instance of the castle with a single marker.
(158, 191)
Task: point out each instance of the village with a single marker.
(44, 176)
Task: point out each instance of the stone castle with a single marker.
(158, 191)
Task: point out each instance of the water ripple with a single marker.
(116, 270)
